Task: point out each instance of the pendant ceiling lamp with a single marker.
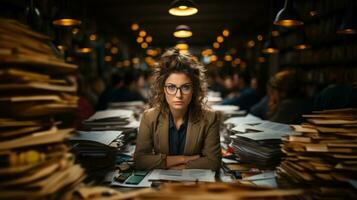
(183, 31)
(182, 45)
(270, 47)
(65, 18)
(183, 8)
(303, 43)
(287, 17)
(349, 24)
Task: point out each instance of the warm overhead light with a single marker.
(182, 45)
(84, 46)
(302, 46)
(260, 38)
(228, 58)
(114, 50)
(213, 58)
(216, 45)
(287, 16)
(220, 39)
(66, 22)
(207, 52)
(148, 39)
(93, 37)
(144, 45)
(139, 39)
(65, 16)
(182, 51)
(151, 52)
(182, 31)
(275, 33)
(270, 47)
(135, 60)
(135, 27)
(126, 63)
(237, 61)
(303, 42)
(349, 24)
(250, 43)
(108, 58)
(183, 8)
(61, 47)
(84, 50)
(225, 32)
(142, 33)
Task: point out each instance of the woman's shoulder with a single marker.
(151, 113)
(210, 115)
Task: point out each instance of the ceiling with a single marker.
(245, 19)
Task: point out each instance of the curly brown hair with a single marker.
(172, 61)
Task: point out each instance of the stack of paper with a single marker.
(259, 144)
(228, 110)
(34, 161)
(324, 156)
(96, 150)
(107, 141)
(112, 119)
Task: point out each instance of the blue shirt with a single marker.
(177, 138)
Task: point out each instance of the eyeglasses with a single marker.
(172, 89)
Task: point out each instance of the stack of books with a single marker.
(34, 161)
(323, 157)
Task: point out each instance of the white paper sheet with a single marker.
(248, 119)
(111, 113)
(183, 175)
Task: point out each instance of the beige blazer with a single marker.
(202, 138)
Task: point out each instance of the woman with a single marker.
(178, 131)
(287, 102)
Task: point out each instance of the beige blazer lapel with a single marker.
(192, 136)
(163, 134)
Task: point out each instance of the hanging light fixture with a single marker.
(182, 45)
(270, 47)
(65, 18)
(182, 31)
(183, 8)
(287, 17)
(303, 43)
(349, 24)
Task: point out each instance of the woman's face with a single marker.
(178, 91)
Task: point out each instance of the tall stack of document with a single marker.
(34, 161)
(323, 157)
(112, 119)
(106, 141)
(259, 144)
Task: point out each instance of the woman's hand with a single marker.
(173, 161)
